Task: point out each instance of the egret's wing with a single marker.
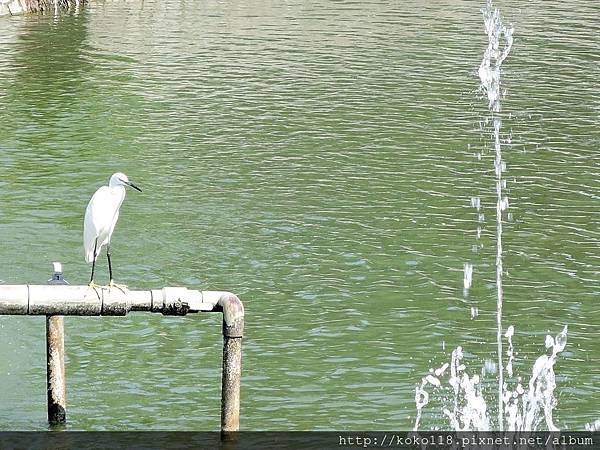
(97, 221)
(112, 226)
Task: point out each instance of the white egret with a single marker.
(101, 216)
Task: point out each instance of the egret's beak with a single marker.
(134, 186)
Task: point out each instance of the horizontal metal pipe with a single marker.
(108, 301)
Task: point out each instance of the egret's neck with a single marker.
(118, 189)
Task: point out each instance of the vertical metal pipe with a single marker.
(55, 359)
(55, 356)
(230, 390)
(233, 330)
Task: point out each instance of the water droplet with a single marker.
(490, 367)
(433, 380)
(468, 275)
(421, 397)
(561, 340)
(441, 370)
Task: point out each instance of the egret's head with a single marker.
(120, 179)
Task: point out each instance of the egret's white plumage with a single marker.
(101, 216)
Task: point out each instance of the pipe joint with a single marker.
(233, 315)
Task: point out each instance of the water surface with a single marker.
(318, 160)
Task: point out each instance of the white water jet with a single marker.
(499, 44)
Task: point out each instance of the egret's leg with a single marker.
(112, 283)
(109, 265)
(94, 262)
(92, 284)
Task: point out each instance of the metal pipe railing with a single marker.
(59, 299)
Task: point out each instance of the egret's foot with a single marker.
(120, 287)
(95, 287)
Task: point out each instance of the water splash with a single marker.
(421, 395)
(470, 409)
(524, 409)
(593, 426)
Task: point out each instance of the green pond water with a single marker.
(318, 159)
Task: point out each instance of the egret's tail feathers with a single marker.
(90, 239)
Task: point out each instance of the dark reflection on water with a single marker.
(318, 161)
